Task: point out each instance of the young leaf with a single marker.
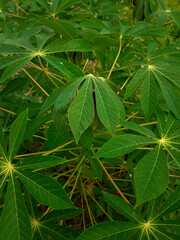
(46, 190)
(37, 162)
(151, 176)
(149, 95)
(122, 144)
(123, 208)
(17, 131)
(107, 110)
(81, 111)
(110, 231)
(14, 222)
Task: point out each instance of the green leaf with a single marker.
(34, 125)
(137, 128)
(174, 154)
(135, 82)
(46, 190)
(64, 98)
(14, 67)
(161, 122)
(61, 215)
(151, 176)
(76, 45)
(15, 222)
(59, 232)
(81, 111)
(51, 99)
(37, 162)
(120, 107)
(107, 110)
(67, 69)
(59, 134)
(123, 208)
(149, 95)
(122, 144)
(175, 14)
(17, 131)
(170, 94)
(3, 182)
(3, 149)
(65, 28)
(9, 49)
(170, 205)
(110, 231)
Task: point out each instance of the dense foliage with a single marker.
(89, 119)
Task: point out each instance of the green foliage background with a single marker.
(89, 119)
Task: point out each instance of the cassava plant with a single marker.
(89, 120)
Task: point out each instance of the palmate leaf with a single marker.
(17, 131)
(46, 190)
(123, 208)
(122, 144)
(15, 223)
(110, 231)
(38, 162)
(81, 111)
(151, 176)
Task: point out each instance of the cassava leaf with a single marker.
(17, 131)
(37, 162)
(46, 190)
(15, 223)
(151, 176)
(107, 109)
(122, 144)
(81, 111)
(123, 208)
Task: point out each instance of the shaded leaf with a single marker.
(15, 222)
(46, 190)
(151, 176)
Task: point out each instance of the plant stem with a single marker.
(42, 89)
(114, 63)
